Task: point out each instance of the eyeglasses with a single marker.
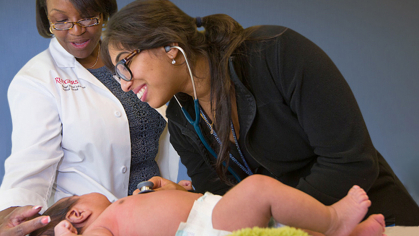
(69, 25)
(121, 68)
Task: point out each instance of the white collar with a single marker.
(60, 55)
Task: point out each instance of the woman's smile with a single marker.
(141, 92)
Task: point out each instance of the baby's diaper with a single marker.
(199, 221)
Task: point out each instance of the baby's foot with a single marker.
(348, 212)
(373, 226)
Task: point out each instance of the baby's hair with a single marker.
(57, 212)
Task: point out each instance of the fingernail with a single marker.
(37, 207)
(46, 220)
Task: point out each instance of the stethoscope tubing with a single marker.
(195, 123)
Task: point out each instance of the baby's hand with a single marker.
(65, 228)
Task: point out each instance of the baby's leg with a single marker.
(257, 198)
(253, 201)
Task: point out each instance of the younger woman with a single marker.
(264, 100)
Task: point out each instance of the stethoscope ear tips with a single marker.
(167, 48)
(145, 187)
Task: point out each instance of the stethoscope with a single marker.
(145, 187)
(195, 123)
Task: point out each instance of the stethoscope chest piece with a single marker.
(145, 187)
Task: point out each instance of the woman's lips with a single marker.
(141, 91)
(80, 44)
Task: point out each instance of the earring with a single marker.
(173, 62)
(50, 30)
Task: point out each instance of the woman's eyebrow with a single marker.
(118, 56)
(58, 10)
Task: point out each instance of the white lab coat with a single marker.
(70, 135)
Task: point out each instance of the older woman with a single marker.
(74, 130)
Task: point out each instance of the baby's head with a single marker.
(81, 211)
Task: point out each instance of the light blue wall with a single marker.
(374, 43)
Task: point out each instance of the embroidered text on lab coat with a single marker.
(69, 84)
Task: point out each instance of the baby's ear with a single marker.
(77, 216)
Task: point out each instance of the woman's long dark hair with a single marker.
(147, 24)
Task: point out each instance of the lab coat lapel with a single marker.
(65, 60)
(83, 74)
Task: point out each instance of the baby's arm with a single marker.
(65, 228)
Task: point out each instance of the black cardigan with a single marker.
(301, 122)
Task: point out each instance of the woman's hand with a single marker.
(165, 184)
(14, 221)
(186, 184)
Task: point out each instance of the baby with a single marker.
(250, 203)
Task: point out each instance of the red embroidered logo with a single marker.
(58, 80)
(68, 84)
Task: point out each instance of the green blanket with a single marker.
(256, 231)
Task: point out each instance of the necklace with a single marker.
(97, 58)
(211, 126)
(245, 168)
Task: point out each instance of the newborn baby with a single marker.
(250, 203)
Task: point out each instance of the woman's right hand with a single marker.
(14, 221)
(165, 184)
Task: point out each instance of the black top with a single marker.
(301, 123)
(145, 126)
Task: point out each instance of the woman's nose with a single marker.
(126, 85)
(77, 29)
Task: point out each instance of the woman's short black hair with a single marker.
(105, 7)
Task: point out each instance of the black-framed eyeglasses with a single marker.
(122, 70)
(69, 25)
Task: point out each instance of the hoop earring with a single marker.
(173, 62)
(50, 30)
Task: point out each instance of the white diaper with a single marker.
(199, 221)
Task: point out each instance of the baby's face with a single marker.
(96, 202)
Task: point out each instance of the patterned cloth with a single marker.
(145, 125)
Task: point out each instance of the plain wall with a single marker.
(374, 43)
